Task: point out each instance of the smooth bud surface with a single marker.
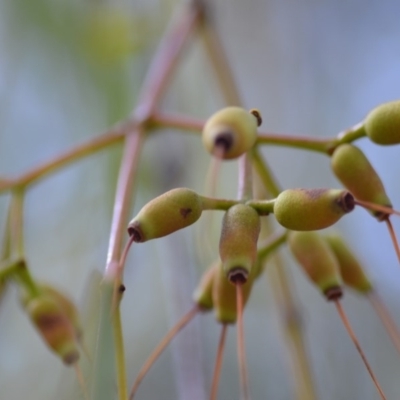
(166, 214)
(356, 173)
(312, 209)
(230, 132)
(350, 268)
(382, 124)
(238, 241)
(318, 261)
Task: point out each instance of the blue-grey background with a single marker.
(311, 67)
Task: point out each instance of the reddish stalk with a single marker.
(387, 320)
(244, 379)
(81, 381)
(376, 207)
(161, 347)
(218, 363)
(353, 337)
(393, 237)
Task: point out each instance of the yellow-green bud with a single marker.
(166, 214)
(382, 124)
(224, 295)
(312, 209)
(54, 326)
(354, 170)
(230, 132)
(318, 261)
(351, 270)
(202, 296)
(238, 241)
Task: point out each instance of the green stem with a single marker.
(300, 142)
(209, 203)
(263, 207)
(352, 134)
(114, 135)
(17, 223)
(265, 174)
(273, 243)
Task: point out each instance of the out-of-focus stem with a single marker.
(284, 294)
(160, 72)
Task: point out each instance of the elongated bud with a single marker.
(54, 326)
(238, 241)
(382, 124)
(231, 132)
(312, 209)
(224, 295)
(318, 261)
(354, 170)
(202, 295)
(67, 306)
(350, 268)
(166, 214)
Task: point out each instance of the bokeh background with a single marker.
(70, 69)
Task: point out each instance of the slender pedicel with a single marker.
(161, 347)
(218, 363)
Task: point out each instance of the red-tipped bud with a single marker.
(318, 261)
(312, 209)
(238, 242)
(224, 296)
(350, 268)
(166, 214)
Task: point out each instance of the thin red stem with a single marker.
(353, 337)
(161, 347)
(218, 363)
(393, 237)
(387, 320)
(376, 207)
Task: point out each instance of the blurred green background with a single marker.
(70, 69)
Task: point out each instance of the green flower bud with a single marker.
(231, 132)
(353, 169)
(224, 295)
(350, 268)
(382, 124)
(312, 209)
(166, 214)
(67, 306)
(54, 326)
(202, 296)
(318, 261)
(238, 241)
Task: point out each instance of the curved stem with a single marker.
(385, 317)
(161, 347)
(218, 363)
(353, 337)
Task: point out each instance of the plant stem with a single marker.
(114, 135)
(265, 174)
(159, 74)
(209, 203)
(300, 142)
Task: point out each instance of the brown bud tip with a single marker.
(257, 114)
(224, 141)
(334, 293)
(346, 202)
(135, 233)
(238, 275)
